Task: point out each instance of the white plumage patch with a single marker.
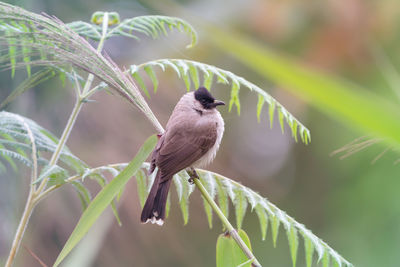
(154, 219)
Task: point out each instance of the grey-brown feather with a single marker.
(191, 138)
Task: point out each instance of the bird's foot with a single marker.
(193, 175)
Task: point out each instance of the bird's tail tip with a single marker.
(154, 220)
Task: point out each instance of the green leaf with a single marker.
(263, 219)
(168, 205)
(260, 104)
(208, 210)
(83, 193)
(102, 181)
(271, 111)
(208, 79)
(184, 189)
(274, 228)
(153, 26)
(240, 204)
(293, 243)
(115, 211)
(222, 198)
(104, 198)
(183, 70)
(325, 260)
(141, 83)
(9, 160)
(280, 116)
(235, 97)
(294, 130)
(52, 170)
(309, 250)
(30, 82)
(13, 134)
(16, 156)
(12, 49)
(86, 29)
(195, 76)
(149, 70)
(229, 254)
(141, 187)
(209, 184)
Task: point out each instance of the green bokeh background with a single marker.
(351, 204)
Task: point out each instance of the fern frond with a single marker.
(30, 82)
(272, 213)
(63, 46)
(85, 29)
(241, 197)
(189, 70)
(15, 143)
(152, 26)
(15, 146)
(56, 174)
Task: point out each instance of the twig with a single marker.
(35, 256)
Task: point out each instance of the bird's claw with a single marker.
(193, 174)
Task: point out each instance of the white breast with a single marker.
(210, 155)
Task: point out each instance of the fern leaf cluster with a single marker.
(227, 191)
(62, 46)
(151, 26)
(15, 146)
(191, 71)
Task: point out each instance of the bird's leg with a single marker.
(193, 174)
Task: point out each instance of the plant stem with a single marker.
(75, 111)
(29, 205)
(21, 227)
(232, 231)
(62, 141)
(99, 48)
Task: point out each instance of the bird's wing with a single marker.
(183, 145)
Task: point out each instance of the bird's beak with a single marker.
(218, 103)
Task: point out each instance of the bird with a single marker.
(192, 138)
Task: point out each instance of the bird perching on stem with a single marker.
(191, 139)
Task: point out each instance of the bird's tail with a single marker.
(154, 208)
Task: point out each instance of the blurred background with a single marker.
(352, 204)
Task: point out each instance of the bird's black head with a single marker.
(206, 99)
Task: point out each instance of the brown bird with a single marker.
(191, 139)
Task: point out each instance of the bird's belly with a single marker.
(206, 158)
(210, 154)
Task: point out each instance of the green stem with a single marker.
(29, 205)
(75, 111)
(21, 228)
(99, 48)
(54, 187)
(232, 231)
(62, 141)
